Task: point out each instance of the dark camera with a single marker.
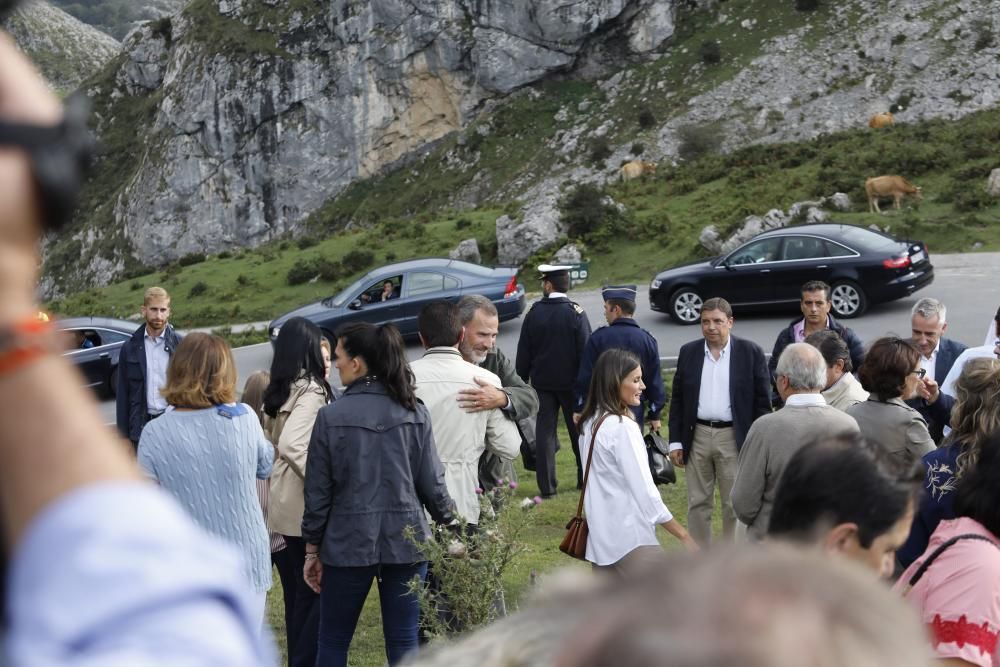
(7, 6)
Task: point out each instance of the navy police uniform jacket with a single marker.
(626, 334)
(553, 336)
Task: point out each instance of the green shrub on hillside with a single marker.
(586, 211)
(647, 120)
(710, 52)
(357, 260)
(806, 5)
(301, 272)
(198, 289)
(600, 149)
(192, 258)
(698, 140)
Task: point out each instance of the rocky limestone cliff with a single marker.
(264, 110)
(64, 49)
(250, 114)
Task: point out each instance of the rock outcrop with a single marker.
(263, 112)
(66, 50)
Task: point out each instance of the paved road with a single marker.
(965, 282)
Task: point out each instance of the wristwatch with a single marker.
(60, 155)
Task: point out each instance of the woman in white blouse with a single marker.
(622, 504)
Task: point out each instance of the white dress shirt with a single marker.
(714, 401)
(622, 503)
(928, 363)
(981, 352)
(157, 359)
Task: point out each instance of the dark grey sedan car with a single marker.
(93, 344)
(861, 265)
(396, 293)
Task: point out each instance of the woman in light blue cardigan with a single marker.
(208, 450)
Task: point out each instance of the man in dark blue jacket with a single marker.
(937, 356)
(624, 332)
(142, 366)
(815, 305)
(553, 336)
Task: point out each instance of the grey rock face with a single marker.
(993, 183)
(246, 146)
(539, 226)
(568, 254)
(840, 201)
(467, 251)
(66, 50)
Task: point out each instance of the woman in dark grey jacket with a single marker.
(373, 468)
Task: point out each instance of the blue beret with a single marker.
(625, 292)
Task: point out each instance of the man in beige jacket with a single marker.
(460, 436)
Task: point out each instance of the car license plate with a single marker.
(918, 256)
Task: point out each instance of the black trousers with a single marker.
(282, 561)
(546, 441)
(303, 638)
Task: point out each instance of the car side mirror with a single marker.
(355, 305)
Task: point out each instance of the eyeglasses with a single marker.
(920, 372)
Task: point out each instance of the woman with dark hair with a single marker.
(622, 503)
(891, 374)
(297, 391)
(373, 469)
(208, 450)
(955, 584)
(974, 418)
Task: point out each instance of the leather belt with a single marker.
(714, 424)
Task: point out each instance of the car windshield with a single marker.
(341, 299)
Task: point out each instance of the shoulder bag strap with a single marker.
(590, 455)
(922, 570)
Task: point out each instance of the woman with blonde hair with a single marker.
(207, 450)
(622, 504)
(974, 418)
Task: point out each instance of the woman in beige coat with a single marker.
(297, 391)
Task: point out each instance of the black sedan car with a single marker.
(397, 292)
(862, 266)
(93, 344)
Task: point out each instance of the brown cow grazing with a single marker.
(880, 120)
(635, 169)
(896, 187)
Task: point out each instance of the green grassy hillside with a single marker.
(660, 226)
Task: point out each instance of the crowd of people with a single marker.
(822, 475)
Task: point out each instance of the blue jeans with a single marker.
(343, 596)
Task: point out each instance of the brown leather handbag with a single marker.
(575, 542)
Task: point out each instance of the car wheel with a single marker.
(685, 305)
(847, 299)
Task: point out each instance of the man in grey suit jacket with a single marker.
(937, 355)
(516, 399)
(774, 438)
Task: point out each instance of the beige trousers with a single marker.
(713, 457)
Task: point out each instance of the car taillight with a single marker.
(896, 262)
(511, 288)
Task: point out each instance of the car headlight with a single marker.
(655, 284)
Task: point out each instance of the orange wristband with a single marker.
(24, 342)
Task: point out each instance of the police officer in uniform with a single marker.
(623, 332)
(553, 337)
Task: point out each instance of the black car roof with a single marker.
(104, 322)
(835, 231)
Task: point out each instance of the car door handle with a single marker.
(104, 355)
(821, 266)
(765, 270)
